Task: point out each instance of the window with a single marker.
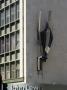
(7, 15)
(18, 55)
(17, 10)
(2, 68)
(2, 45)
(12, 70)
(12, 13)
(13, 56)
(12, 41)
(7, 71)
(17, 40)
(7, 2)
(2, 71)
(13, 27)
(22, 88)
(17, 69)
(17, 25)
(2, 31)
(7, 29)
(7, 57)
(2, 18)
(7, 43)
(2, 59)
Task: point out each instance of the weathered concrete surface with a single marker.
(54, 87)
(55, 69)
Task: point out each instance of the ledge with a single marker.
(14, 80)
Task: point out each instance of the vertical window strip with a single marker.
(12, 70)
(17, 40)
(7, 15)
(12, 13)
(7, 43)
(7, 71)
(2, 45)
(17, 10)
(12, 41)
(2, 18)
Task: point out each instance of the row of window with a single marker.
(9, 43)
(7, 29)
(10, 70)
(9, 14)
(12, 56)
(6, 2)
(9, 39)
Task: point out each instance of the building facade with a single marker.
(10, 41)
(19, 47)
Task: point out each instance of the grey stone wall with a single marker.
(55, 69)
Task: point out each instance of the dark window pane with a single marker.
(2, 18)
(17, 40)
(7, 29)
(7, 15)
(17, 69)
(12, 13)
(12, 70)
(2, 59)
(12, 41)
(2, 31)
(17, 10)
(17, 25)
(13, 27)
(2, 71)
(7, 57)
(7, 71)
(7, 43)
(12, 56)
(17, 55)
(2, 45)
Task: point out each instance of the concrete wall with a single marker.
(54, 87)
(55, 69)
